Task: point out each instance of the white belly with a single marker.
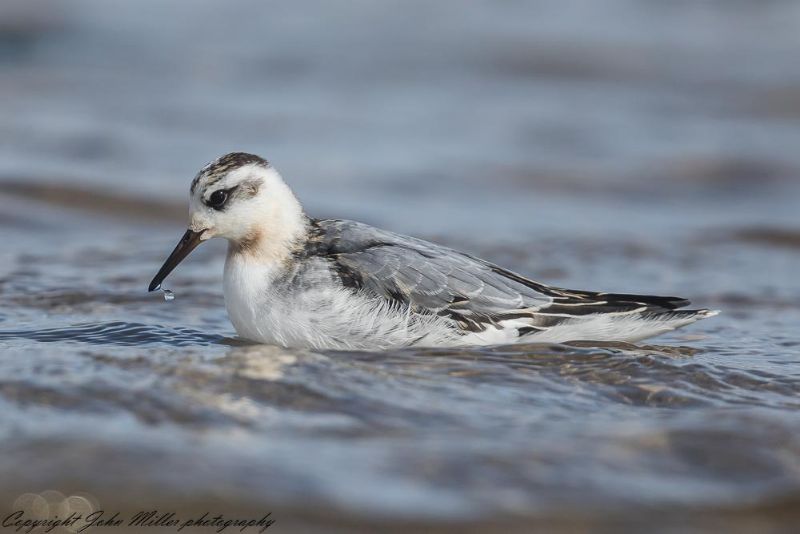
(320, 314)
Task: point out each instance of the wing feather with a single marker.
(430, 278)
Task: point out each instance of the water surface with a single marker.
(590, 149)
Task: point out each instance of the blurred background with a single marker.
(625, 145)
(410, 112)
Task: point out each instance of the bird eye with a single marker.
(217, 199)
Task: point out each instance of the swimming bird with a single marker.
(296, 281)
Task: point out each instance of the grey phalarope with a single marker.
(334, 284)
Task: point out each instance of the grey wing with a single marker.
(430, 278)
(427, 277)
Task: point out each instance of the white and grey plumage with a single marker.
(334, 284)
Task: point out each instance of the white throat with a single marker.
(273, 223)
(274, 226)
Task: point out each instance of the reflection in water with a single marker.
(115, 333)
(550, 424)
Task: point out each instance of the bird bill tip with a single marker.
(188, 243)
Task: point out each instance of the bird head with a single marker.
(242, 198)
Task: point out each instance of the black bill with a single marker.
(188, 243)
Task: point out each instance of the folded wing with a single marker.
(475, 294)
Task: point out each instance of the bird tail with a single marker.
(653, 323)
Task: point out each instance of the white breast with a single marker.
(318, 313)
(247, 285)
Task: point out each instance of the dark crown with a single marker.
(224, 164)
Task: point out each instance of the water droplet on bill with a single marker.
(168, 295)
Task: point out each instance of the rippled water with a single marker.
(584, 148)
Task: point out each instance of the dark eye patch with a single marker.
(219, 198)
